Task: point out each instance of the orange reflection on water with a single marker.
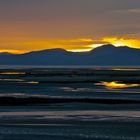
(117, 85)
(9, 73)
(125, 69)
(32, 82)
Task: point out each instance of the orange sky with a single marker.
(77, 45)
(79, 25)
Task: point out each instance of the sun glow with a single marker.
(133, 43)
(11, 51)
(73, 45)
(93, 46)
(80, 50)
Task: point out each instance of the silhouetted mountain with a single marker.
(5, 53)
(103, 55)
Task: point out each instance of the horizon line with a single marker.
(16, 52)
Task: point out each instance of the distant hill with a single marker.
(104, 55)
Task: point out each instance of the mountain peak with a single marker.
(103, 55)
(104, 48)
(55, 50)
(108, 45)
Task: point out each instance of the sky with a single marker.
(75, 25)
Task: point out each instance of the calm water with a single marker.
(74, 119)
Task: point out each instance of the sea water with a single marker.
(73, 119)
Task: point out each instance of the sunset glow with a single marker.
(134, 43)
(69, 69)
(33, 25)
(75, 45)
(11, 51)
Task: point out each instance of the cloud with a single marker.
(129, 11)
(134, 43)
(134, 11)
(76, 45)
(21, 46)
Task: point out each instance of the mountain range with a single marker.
(106, 55)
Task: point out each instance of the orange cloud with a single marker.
(11, 51)
(133, 43)
(75, 45)
(33, 45)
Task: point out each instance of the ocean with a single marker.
(69, 103)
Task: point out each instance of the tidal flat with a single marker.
(101, 103)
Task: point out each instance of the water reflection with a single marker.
(13, 80)
(125, 69)
(10, 73)
(117, 85)
(32, 82)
